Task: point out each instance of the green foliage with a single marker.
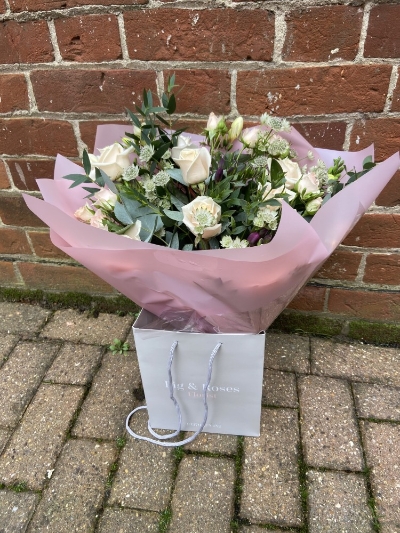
(118, 347)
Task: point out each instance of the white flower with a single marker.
(194, 164)
(130, 173)
(202, 217)
(270, 193)
(310, 155)
(97, 220)
(308, 184)
(113, 160)
(275, 123)
(146, 153)
(213, 121)
(278, 146)
(133, 231)
(266, 218)
(313, 206)
(236, 129)
(292, 172)
(228, 242)
(250, 136)
(161, 178)
(105, 199)
(84, 213)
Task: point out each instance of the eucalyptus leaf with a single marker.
(87, 165)
(149, 224)
(175, 241)
(134, 118)
(78, 179)
(174, 215)
(188, 248)
(108, 182)
(176, 174)
(122, 214)
(214, 244)
(176, 202)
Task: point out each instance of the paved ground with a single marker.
(328, 459)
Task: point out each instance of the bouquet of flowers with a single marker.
(222, 229)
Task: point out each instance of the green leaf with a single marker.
(107, 181)
(99, 178)
(174, 215)
(149, 99)
(238, 230)
(87, 165)
(214, 244)
(92, 190)
(175, 241)
(176, 174)
(134, 119)
(171, 83)
(156, 109)
(161, 151)
(149, 225)
(135, 209)
(177, 203)
(122, 214)
(78, 179)
(367, 160)
(188, 248)
(171, 104)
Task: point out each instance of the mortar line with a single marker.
(234, 109)
(54, 42)
(361, 268)
(363, 32)
(122, 37)
(347, 134)
(392, 85)
(77, 132)
(33, 108)
(280, 36)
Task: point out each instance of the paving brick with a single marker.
(279, 389)
(75, 364)
(377, 401)
(110, 399)
(358, 362)
(287, 352)
(127, 521)
(328, 426)
(144, 477)
(76, 490)
(16, 510)
(213, 443)
(382, 447)
(256, 529)
(21, 318)
(4, 436)
(338, 503)
(7, 343)
(20, 376)
(203, 496)
(73, 326)
(36, 443)
(271, 490)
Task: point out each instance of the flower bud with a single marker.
(313, 206)
(213, 122)
(236, 129)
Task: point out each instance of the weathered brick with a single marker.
(372, 305)
(382, 446)
(21, 318)
(14, 93)
(16, 510)
(384, 133)
(88, 130)
(3, 7)
(142, 467)
(25, 42)
(43, 247)
(62, 277)
(338, 502)
(36, 443)
(287, 352)
(357, 362)
(396, 97)
(383, 38)
(323, 134)
(375, 231)
(213, 85)
(328, 425)
(128, 521)
(270, 471)
(112, 386)
(25, 172)
(14, 212)
(203, 495)
(25, 136)
(322, 33)
(382, 268)
(200, 35)
(4, 181)
(89, 38)
(341, 265)
(390, 196)
(313, 91)
(49, 5)
(377, 401)
(7, 273)
(90, 91)
(309, 298)
(13, 241)
(75, 364)
(75, 494)
(279, 389)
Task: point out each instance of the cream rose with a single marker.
(249, 136)
(308, 184)
(84, 213)
(113, 160)
(194, 164)
(133, 231)
(292, 172)
(105, 199)
(270, 193)
(202, 217)
(97, 220)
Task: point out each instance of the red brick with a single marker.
(14, 93)
(376, 231)
(4, 181)
(43, 246)
(3, 7)
(383, 36)
(396, 97)
(309, 298)
(14, 212)
(383, 269)
(390, 196)
(62, 278)
(341, 265)
(372, 305)
(25, 136)
(88, 130)
(90, 91)
(214, 86)
(89, 38)
(323, 134)
(49, 5)
(313, 33)
(25, 42)
(7, 273)
(384, 133)
(200, 35)
(25, 172)
(313, 91)
(13, 241)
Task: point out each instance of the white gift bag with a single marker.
(232, 403)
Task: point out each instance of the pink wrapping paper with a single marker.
(234, 290)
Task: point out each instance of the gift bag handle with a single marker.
(177, 407)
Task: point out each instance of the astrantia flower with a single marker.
(278, 146)
(131, 173)
(266, 217)
(261, 161)
(320, 171)
(161, 179)
(146, 153)
(228, 242)
(148, 184)
(275, 123)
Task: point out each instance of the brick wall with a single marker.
(331, 67)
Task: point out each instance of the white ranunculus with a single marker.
(292, 172)
(249, 136)
(113, 160)
(105, 199)
(194, 164)
(313, 206)
(308, 184)
(134, 231)
(202, 217)
(84, 213)
(97, 220)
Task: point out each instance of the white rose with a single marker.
(183, 142)
(105, 199)
(194, 164)
(113, 160)
(308, 184)
(84, 213)
(250, 136)
(201, 217)
(270, 193)
(97, 220)
(134, 231)
(292, 172)
(313, 206)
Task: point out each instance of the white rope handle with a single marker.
(177, 407)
